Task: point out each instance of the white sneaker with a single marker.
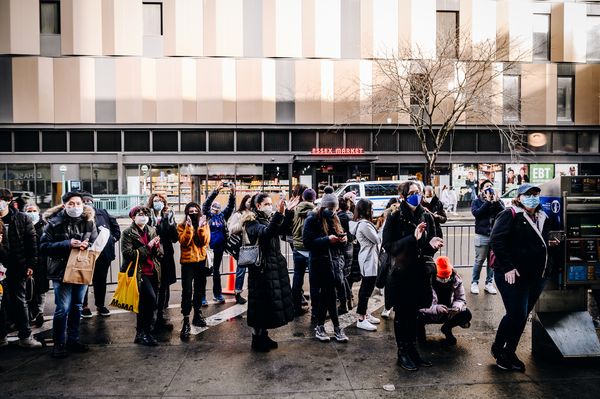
(489, 287)
(365, 325)
(386, 313)
(4, 341)
(30, 343)
(474, 288)
(373, 320)
(321, 334)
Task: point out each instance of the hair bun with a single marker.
(328, 190)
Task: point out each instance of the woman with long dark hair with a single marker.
(234, 225)
(409, 237)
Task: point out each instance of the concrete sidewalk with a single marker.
(218, 361)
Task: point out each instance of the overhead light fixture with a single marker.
(537, 139)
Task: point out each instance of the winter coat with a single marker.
(21, 244)
(131, 245)
(167, 231)
(485, 212)
(436, 206)
(105, 220)
(458, 299)
(518, 244)
(368, 257)
(300, 215)
(323, 269)
(56, 239)
(234, 225)
(452, 197)
(270, 303)
(193, 244)
(408, 284)
(39, 273)
(445, 198)
(345, 218)
(218, 222)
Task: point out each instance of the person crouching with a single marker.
(449, 306)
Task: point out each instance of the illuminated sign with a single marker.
(337, 151)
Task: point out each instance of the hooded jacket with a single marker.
(485, 212)
(300, 214)
(56, 240)
(368, 257)
(131, 245)
(457, 298)
(218, 222)
(20, 243)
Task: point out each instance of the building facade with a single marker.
(262, 92)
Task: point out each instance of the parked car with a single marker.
(508, 196)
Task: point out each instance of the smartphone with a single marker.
(559, 235)
(341, 235)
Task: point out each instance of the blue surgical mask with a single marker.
(328, 213)
(34, 216)
(414, 200)
(530, 201)
(158, 206)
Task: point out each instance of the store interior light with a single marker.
(537, 139)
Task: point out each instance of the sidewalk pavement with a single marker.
(218, 361)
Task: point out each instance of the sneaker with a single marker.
(103, 311)
(321, 334)
(514, 360)
(76, 346)
(204, 302)
(386, 313)
(139, 337)
(474, 288)
(59, 350)
(86, 313)
(339, 334)
(3, 341)
(372, 320)
(30, 343)
(219, 299)
(489, 287)
(501, 360)
(365, 325)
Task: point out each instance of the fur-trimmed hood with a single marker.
(248, 217)
(88, 213)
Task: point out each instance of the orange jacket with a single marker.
(193, 245)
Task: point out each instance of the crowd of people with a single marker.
(336, 241)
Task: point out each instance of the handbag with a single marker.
(428, 265)
(80, 266)
(249, 254)
(127, 295)
(384, 269)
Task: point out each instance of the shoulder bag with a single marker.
(249, 255)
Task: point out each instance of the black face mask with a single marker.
(194, 217)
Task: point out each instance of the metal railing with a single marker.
(119, 205)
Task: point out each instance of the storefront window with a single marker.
(105, 177)
(191, 187)
(408, 171)
(165, 180)
(589, 142)
(569, 169)
(43, 185)
(516, 174)
(248, 179)
(276, 180)
(220, 173)
(493, 173)
(85, 175)
(386, 172)
(134, 184)
(22, 183)
(464, 181)
(564, 142)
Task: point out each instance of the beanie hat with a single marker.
(351, 195)
(87, 196)
(329, 199)
(140, 207)
(444, 268)
(309, 194)
(71, 194)
(191, 205)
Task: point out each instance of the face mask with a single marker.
(34, 216)
(2, 206)
(489, 191)
(193, 217)
(158, 206)
(530, 201)
(75, 212)
(89, 204)
(443, 280)
(141, 220)
(267, 209)
(328, 213)
(414, 200)
(428, 200)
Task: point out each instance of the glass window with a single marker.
(54, 141)
(359, 140)
(248, 179)
(220, 141)
(22, 183)
(385, 141)
(5, 139)
(164, 141)
(137, 141)
(165, 180)
(249, 142)
(381, 190)
(276, 180)
(511, 99)
(593, 38)
(193, 141)
(106, 180)
(589, 142)
(152, 19)
(410, 142)
(447, 34)
(563, 142)
(50, 18)
(303, 141)
(354, 188)
(331, 139)
(43, 186)
(109, 141)
(134, 183)
(541, 37)
(539, 142)
(277, 141)
(464, 141)
(489, 142)
(386, 171)
(85, 175)
(564, 112)
(81, 141)
(220, 173)
(28, 141)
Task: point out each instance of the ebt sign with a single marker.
(541, 173)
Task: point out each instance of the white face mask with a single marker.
(74, 212)
(428, 200)
(267, 209)
(3, 206)
(34, 216)
(141, 220)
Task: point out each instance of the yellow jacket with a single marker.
(193, 244)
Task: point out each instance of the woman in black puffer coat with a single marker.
(270, 303)
(409, 235)
(345, 292)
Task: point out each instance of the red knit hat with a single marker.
(444, 268)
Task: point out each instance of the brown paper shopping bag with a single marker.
(80, 266)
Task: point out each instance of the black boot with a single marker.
(403, 359)
(239, 299)
(415, 356)
(268, 341)
(447, 331)
(186, 329)
(198, 321)
(259, 344)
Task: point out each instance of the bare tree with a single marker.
(435, 89)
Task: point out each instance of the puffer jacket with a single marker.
(368, 257)
(270, 303)
(167, 231)
(458, 299)
(56, 240)
(193, 244)
(21, 244)
(485, 213)
(345, 218)
(436, 206)
(131, 245)
(218, 222)
(300, 214)
(518, 244)
(42, 284)
(323, 272)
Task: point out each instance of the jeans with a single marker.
(366, 289)
(147, 305)
(482, 251)
(519, 299)
(69, 300)
(163, 298)
(192, 272)
(300, 266)
(240, 274)
(447, 319)
(328, 302)
(15, 292)
(99, 281)
(217, 273)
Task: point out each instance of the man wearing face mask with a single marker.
(41, 286)
(103, 262)
(433, 205)
(485, 209)
(70, 225)
(20, 241)
(217, 221)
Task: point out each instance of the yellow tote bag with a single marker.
(127, 295)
